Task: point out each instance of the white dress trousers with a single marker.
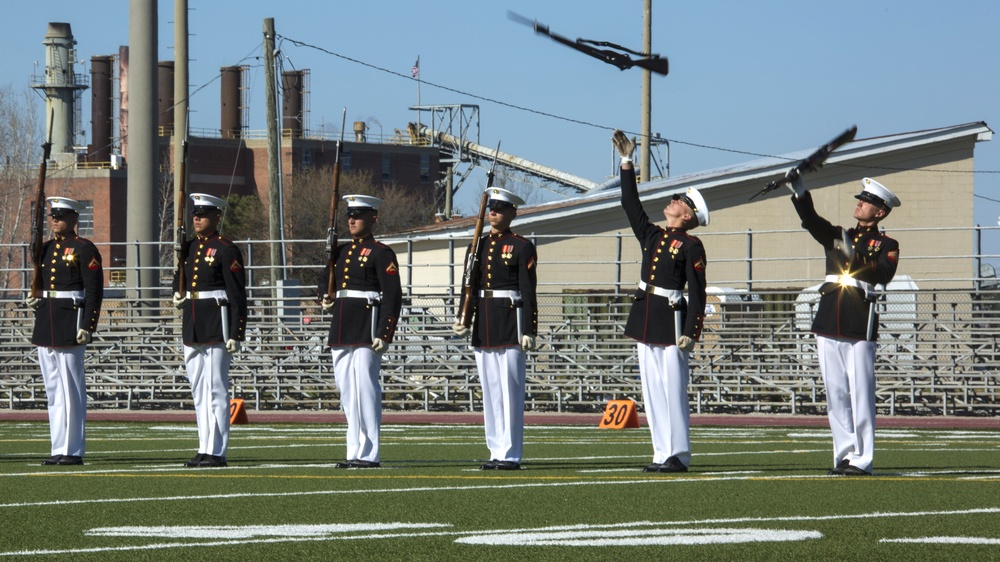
(665, 374)
(502, 374)
(356, 369)
(66, 390)
(848, 368)
(208, 372)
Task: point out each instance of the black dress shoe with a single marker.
(673, 464)
(852, 470)
(345, 464)
(492, 465)
(67, 460)
(54, 459)
(365, 464)
(655, 467)
(839, 469)
(195, 461)
(508, 465)
(212, 461)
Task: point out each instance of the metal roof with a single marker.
(764, 168)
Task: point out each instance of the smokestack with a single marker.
(101, 108)
(291, 103)
(165, 98)
(231, 114)
(60, 85)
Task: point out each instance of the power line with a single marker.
(304, 44)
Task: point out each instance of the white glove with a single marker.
(326, 303)
(844, 245)
(624, 146)
(179, 300)
(33, 302)
(685, 343)
(379, 345)
(460, 330)
(527, 342)
(83, 337)
(797, 186)
(232, 346)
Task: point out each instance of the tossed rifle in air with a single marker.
(331, 230)
(649, 61)
(38, 220)
(812, 163)
(180, 210)
(469, 279)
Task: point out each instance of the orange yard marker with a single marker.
(619, 414)
(237, 412)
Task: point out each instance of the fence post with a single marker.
(618, 263)
(749, 261)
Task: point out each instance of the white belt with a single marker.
(370, 296)
(673, 295)
(62, 294)
(491, 294)
(849, 281)
(217, 295)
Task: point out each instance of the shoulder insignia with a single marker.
(94, 265)
(531, 263)
(893, 256)
(700, 264)
(235, 267)
(392, 269)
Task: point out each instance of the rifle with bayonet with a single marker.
(331, 230)
(38, 220)
(470, 278)
(812, 163)
(180, 210)
(649, 61)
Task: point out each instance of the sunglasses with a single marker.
(498, 206)
(686, 200)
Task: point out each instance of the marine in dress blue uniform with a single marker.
(364, 312)
(214, 323)
(66, 317)
(505, 327)
(664, 322)
(846, 323)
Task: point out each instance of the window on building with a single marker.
(345, 160)
(425, 168)
(386, 168)
(307, 157)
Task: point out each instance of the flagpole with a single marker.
(417, 66)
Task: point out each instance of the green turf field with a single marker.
(753, 494)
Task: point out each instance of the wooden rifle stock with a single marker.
(470, 279)
(38, 226)
(331, 231)
(180, 242)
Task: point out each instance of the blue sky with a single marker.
(766, 77)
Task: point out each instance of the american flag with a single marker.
(415, 71)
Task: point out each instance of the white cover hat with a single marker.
(877, 194)
(694, 199)
(62, 204)
(207, 201)
(498, 194)
(361, 202)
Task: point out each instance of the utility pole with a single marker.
(647, 47)
(273, 146)
(181, 93)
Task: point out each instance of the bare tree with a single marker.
(307, 206)
(20, 152)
